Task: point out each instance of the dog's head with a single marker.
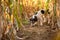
(36, 15)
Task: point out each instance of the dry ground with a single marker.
(37, 33)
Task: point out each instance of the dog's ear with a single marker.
(42, 11)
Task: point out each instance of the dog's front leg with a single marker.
(49, 19)
(41, 21)
(38, 23)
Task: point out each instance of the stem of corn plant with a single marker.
(47, 4)
(54, 8)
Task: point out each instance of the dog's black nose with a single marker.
(33, 20)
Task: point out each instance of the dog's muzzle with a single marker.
(33, 20)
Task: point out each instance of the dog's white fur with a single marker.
(41, 17)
